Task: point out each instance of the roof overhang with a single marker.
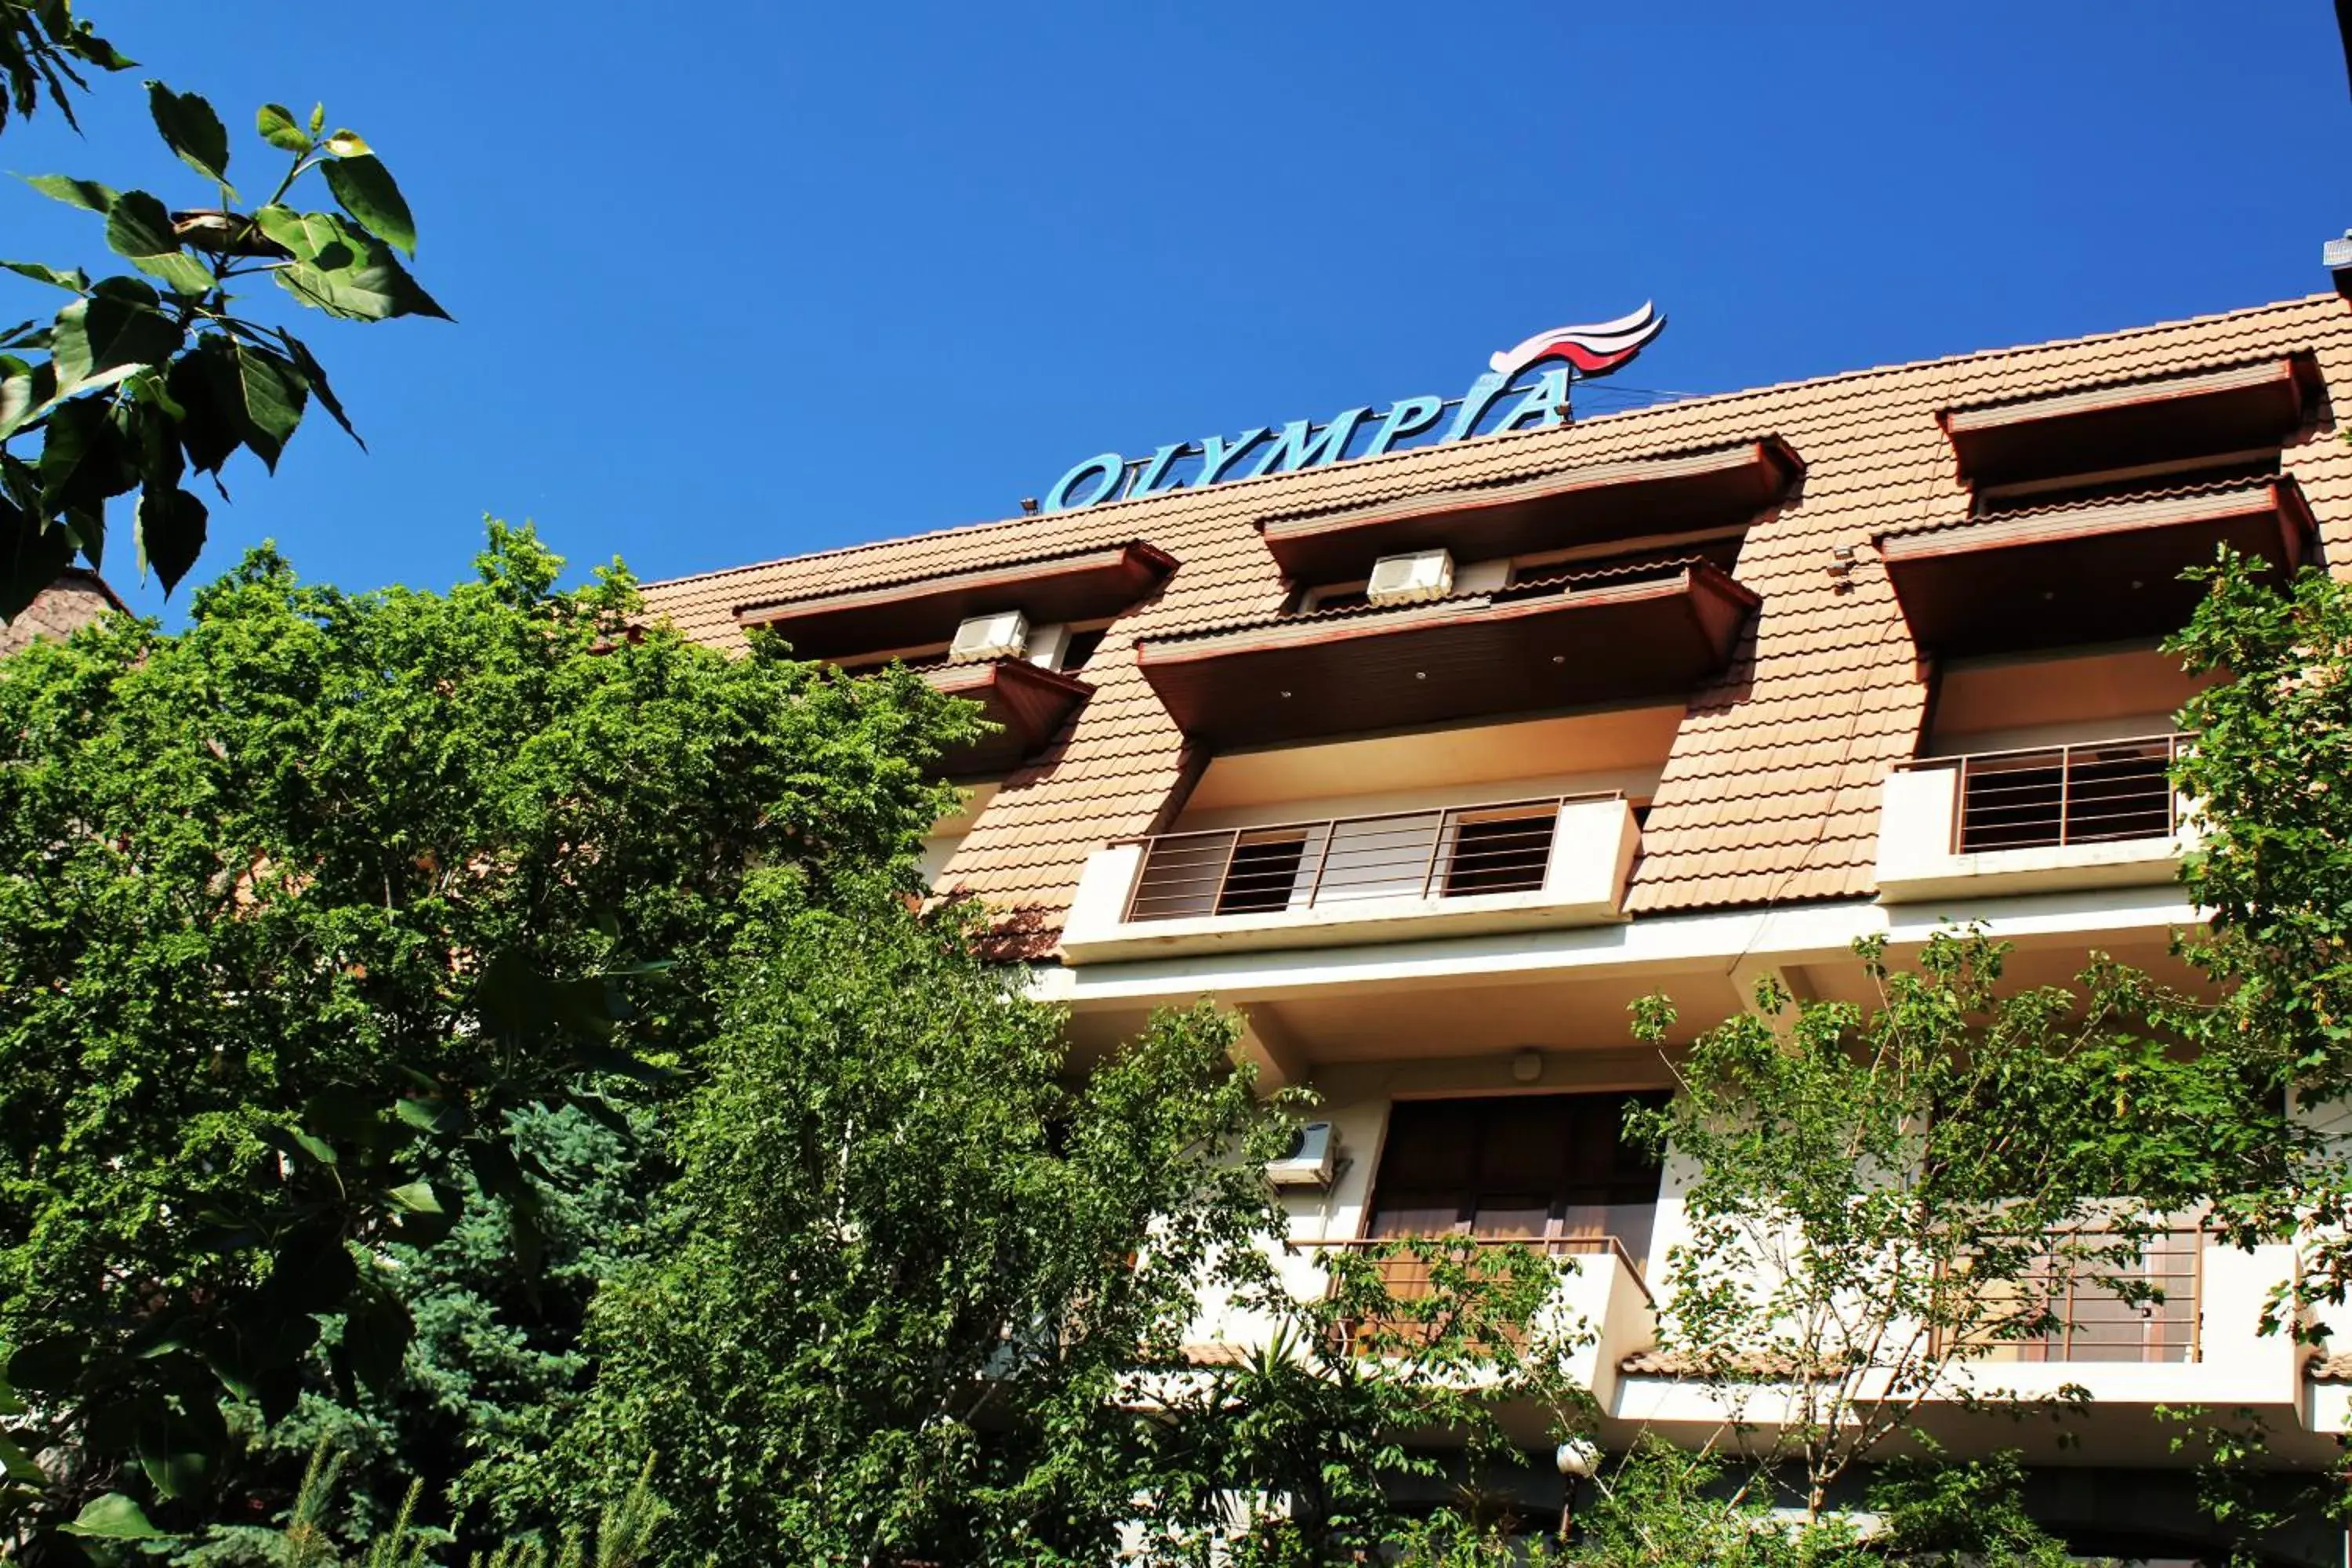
(1723, 486)
(2097, 573)
(1027, 703)
(2242, 408)
(1474, 657)
(1081, 586)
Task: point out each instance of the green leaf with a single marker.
(211, 428)
(23, 393)
(74, 278)
(18, 1465)
(316, 374)
(276, 123)
(31, 556)
(114, 331)
(294, 1140)
(318, 118)
(82, 456)
(191, 129)
(50, 1365)
(364, 188)
(86, 193)
(113, 1518)
(442, 1118)
(268, 393)
(171, 535)
(315, 238)
(376, 1333)
(347, 144)
(416, 1197)
(373, 287)
(172, 1456)
(140, 230)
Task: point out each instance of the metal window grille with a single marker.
(2097, 791)
(1455, 852)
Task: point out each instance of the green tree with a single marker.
(1882, 1199)
(305, 909)
(150, 378)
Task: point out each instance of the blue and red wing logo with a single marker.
(1595, 349)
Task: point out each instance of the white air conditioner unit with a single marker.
(1314, 1155)
(1003, 636)
(1401, 579)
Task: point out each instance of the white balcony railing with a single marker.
(1390, 876)
(2052, 818)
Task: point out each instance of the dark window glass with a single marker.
(1540, 1165)
(1500, 854)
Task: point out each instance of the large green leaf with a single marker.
(74, 193)
(108, 331)
(18, 1465)
(267, 393)
(31, 556)
(315, 238)
(140, 230)
(376, 1333)
(73, 277)
(82, 456)
(316, 374)
(50, 1365)
(373, 287)
(24, 396)
(171, 533)
(192, 130)
(211, 427)
(113, 1518)
(364, 188)
(276, 123)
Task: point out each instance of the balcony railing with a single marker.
(2081, 1304)
(1453, 852)
(2098, 792)
(1408, 1273)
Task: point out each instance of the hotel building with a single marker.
(1428, 764)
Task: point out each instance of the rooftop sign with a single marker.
(1571, 353)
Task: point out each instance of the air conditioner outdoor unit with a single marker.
(1314, 1155)
(1401, 579)
(1004, 636)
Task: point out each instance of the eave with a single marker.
(1027, 703)
(1612, 500)
(2244, 407)
(2099, 572)
(1521, 650)
(1081, 586)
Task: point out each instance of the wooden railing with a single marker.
(2095, 792)
(1448, 852)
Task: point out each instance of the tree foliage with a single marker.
(148, 378)
(305, 909)
(1881, 1201)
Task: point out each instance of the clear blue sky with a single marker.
(736, 281)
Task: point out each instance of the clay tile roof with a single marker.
(2329, 1368)
(1771, 793)
(1753, 1368)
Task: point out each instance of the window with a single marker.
(2067, 794)
(1553, 1167)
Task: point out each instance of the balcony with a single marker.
(1598, 638)
(1398, 876)
(2210, 412)
(2102, 814)
(2088, 571)
(1722, 486)
(1602, 1310)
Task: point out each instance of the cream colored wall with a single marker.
(1634, 782)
